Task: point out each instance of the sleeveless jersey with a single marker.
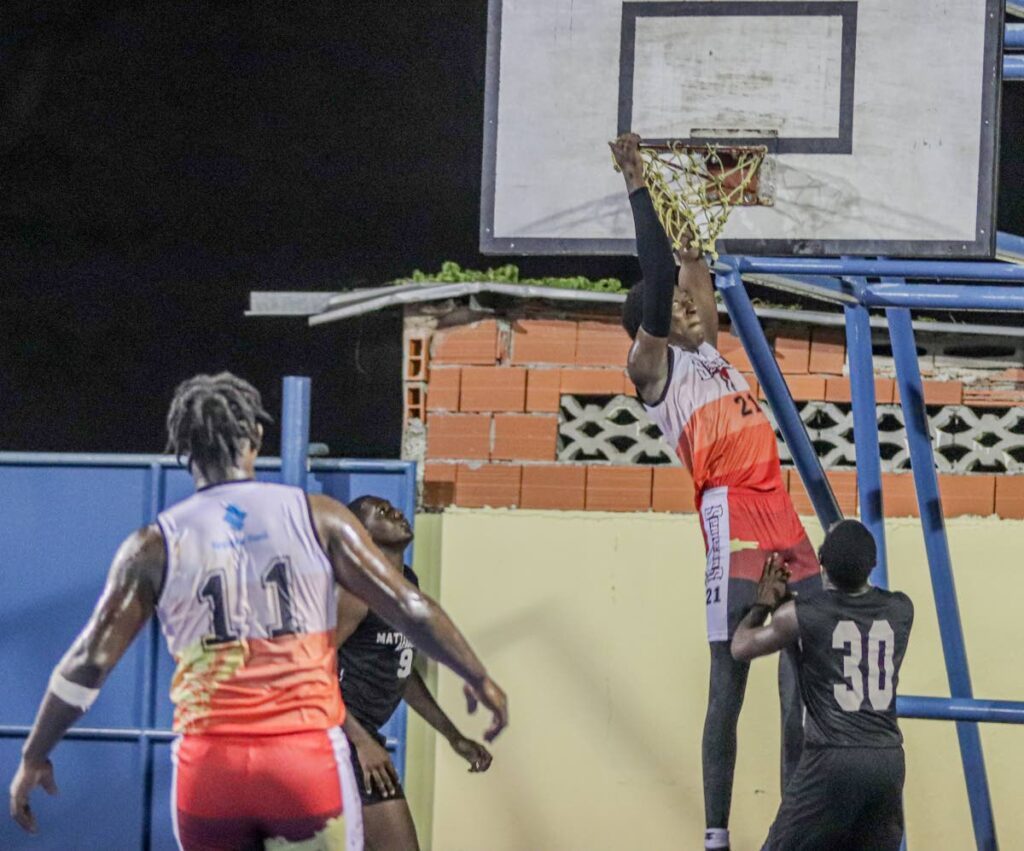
(248, 608)
(850, 651)
(714, 422)
(373, 666)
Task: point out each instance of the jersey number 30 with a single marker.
(878, 678)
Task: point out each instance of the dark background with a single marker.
(159, 161)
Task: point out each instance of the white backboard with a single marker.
(885, 114)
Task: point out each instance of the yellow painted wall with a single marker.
(594, 624)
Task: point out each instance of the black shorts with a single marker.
(849, 798)
(374, 796)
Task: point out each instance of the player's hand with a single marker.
(378, 769)
(626, 154)
(478, 757)
(772, 587)
(29, 776)
(491, 696)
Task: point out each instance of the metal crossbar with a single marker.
(844, 280)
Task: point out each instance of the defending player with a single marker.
(242, 577)
(375, 663)
(705, 409)
(847, 790)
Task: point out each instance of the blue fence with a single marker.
(61, 520)
(998, 286)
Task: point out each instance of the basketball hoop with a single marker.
(694, 187)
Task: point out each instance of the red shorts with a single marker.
(740, 529)
(255, 792)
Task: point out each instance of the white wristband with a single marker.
(72, 693)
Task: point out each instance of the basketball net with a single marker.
(695, 187)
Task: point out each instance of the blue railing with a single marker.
(844, 281)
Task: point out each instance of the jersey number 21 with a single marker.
(878, 679)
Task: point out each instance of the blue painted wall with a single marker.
(61, 521)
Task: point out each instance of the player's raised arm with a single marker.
(127, 602)
(362, 569)
(752, 638)
(648, 358)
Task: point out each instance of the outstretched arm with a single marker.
(127, 602)
(648, 358)
(752, 637)
(361, 568)
(418, 696)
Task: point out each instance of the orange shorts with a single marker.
(741, 528)
(244, 792)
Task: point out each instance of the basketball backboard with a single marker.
(881, 117)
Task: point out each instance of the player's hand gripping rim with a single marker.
(771, 589)
(490, 695)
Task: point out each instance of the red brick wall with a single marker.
(489, 394)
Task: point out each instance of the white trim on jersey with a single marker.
(174, 792)
(714, 516)
(351, 803)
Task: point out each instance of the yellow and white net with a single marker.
(695, 187)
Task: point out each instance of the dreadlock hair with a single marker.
(210, 419)
(633, 309)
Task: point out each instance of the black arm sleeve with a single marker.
(656, 263)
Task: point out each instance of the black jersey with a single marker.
(851, 648)
(373, 665)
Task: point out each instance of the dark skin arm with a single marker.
(647, 364)
(753, 637)
(127, 602)
(418, 696)
(373, 759)
(360, 568)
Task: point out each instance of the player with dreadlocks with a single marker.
(242, 576)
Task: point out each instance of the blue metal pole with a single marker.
(949, 296)
(865, 434)
(1013, 67)
(860, 266)
(922, 459)
(748, 329)
(1014, 36)
(295, 430)
(1009, 246)
(958, 709)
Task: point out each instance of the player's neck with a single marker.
(207, 478)
(831, 586)
(395, 554)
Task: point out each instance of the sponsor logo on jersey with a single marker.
(234, 517)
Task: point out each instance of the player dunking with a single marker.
(375, 664)
(242, 578)
(847, 791)
(705, 410)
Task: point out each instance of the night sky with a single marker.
(158, 161)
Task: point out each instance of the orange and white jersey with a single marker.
(249, 609)
(709, 415)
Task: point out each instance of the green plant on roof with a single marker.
(452, 273)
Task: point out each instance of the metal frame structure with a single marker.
(846, 281)
(295, 466)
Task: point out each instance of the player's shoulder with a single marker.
(410, 576)
(902, 600)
